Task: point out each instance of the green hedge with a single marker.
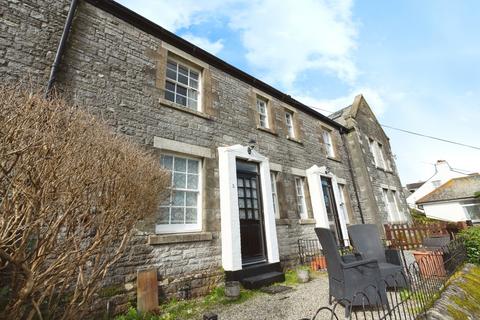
(471, 237)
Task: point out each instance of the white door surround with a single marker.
(314, 176)
(230, 222)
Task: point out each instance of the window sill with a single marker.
(179, 107)
(179, 238)
(267, 130)
(306, 221)
(294, 140)
(334, 159)
(282, 222)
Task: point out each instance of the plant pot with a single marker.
(303, 275)
(232, 290)
(430, 263)
(322, 262)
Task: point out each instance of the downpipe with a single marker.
(61, 48)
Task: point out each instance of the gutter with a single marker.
(61, 48)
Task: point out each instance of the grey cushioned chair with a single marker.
(366, 241)
(346, 279)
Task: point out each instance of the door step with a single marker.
(262, 280)
(258, 275)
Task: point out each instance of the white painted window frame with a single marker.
(276, 208)
(199, 90)
(342, 192)
(327, 140)
(290, 124)
(182, 228)
(262, 102)
(300, 194)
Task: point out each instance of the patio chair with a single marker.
(366, 241)
(351, 283)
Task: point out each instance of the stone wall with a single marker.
(115, 70)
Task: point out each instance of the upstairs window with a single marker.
(300, 191)
(327, 140)
(289, 123)
(181, 211)
(262, 113)
(376, 149)
(380, 156)
(182, 85)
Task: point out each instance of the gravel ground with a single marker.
(300, 302)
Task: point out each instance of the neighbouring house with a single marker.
(253, 170)
(412, 187)
(454, 200)
(443, 173)
(380, 194)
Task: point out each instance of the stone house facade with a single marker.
(253, 170)
(380, 192)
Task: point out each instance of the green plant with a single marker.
(419, 217)
(471, 237)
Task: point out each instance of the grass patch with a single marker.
(190, 309)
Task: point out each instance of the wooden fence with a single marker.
(410, 236)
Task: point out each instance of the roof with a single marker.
(340, 115)
(454, 189)
(155, 30)
(415, 185)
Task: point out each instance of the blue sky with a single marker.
(416, 62)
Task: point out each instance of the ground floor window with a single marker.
(182, 209)
(391, 204)
(276, 209)
(472, 209)
(300, 192)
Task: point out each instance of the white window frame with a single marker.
(342, 192)
(198, 90)
(471, 204)
(300, 194)
(327, 140)
(190, 227)
(262, 102)
(290, 124)
(276, 208)
(393, 209)
(380, 155)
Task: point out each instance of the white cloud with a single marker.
(285, 38)
(375, 100)
(204, 43)
(174, 15)
(282, 39)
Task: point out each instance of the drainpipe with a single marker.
(61, 47)
(342, 134)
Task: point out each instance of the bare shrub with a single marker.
(71, 193)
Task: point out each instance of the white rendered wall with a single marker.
(447, 211)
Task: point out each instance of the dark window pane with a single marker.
(183, 70)
(170, 96)
(183, 79)
(170, 86)
(171, 74)
(182, 90)
(181, 100)
(171, 64)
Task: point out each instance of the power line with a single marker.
(418, 134)
(431, 137)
